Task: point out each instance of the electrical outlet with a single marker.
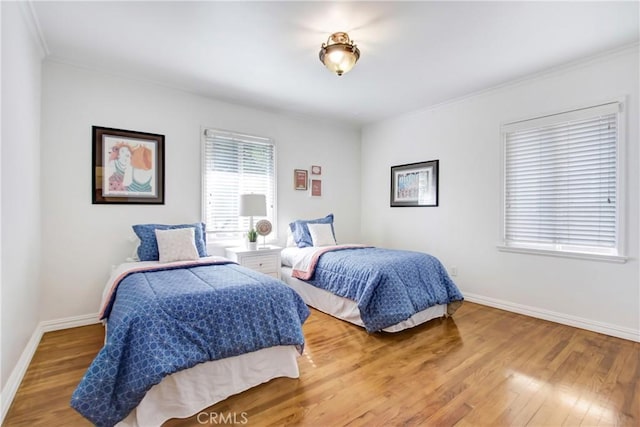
(454, 271)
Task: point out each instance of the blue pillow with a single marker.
(300, 230)
(148, 249)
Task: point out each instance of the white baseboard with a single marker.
(13, 382)
(69, 322)
(562, 318)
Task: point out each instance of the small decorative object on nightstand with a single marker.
(265, 260)
(263, 227)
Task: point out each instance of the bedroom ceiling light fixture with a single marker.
(339, 54)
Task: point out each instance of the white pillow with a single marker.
(290, 240)
(321, 234)
(134, 255)
(178, 244)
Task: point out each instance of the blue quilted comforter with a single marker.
(389, 286)
(173, 318)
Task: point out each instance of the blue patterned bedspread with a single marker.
(388, 285)
(170, 319)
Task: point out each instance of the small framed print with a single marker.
(316, 170)
(316, 187)
(300, 179)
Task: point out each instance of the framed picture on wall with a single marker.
(316, 170)
(316, 187)
(300, 177)
(127, 167)
(415, 184)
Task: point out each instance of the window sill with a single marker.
(575, 255)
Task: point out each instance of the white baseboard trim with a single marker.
(13, 382)
(69, 322)
(553, 316)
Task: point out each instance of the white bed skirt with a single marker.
(347, 309)
(187, 392)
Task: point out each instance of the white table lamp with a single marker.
(253, 205)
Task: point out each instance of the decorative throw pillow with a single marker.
(321, 234)
(301, 231)
(177, 244)
(148, 248)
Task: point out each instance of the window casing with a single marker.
(562, 179)
(235, 164)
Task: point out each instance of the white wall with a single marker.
(21, 240)
(464, 230)
(81, 241)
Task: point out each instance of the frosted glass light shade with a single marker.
(339, 54)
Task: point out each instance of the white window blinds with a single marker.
(235, 164)
(561, 181)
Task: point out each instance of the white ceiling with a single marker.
(265, 54)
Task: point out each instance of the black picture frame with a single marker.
(127, 167)
(415, 184)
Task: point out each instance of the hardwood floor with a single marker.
(482, 367)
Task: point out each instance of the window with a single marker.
(561, 183)
(235, 164)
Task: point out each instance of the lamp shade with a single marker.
(253, 205)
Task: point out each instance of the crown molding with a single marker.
(31, 19)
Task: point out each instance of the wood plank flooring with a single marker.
(482, 367)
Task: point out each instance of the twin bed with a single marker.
(185, 332)
(375, 288)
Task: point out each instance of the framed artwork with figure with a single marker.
(128, 167)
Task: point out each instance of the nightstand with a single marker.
(265, 261)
